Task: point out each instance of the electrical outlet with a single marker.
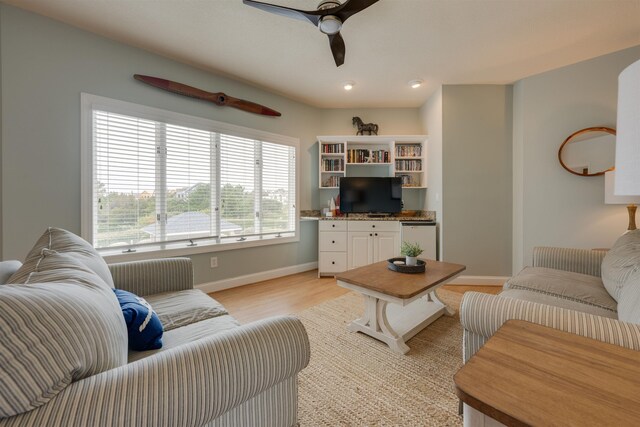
(214, 261)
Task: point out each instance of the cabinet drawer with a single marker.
(374, 226)
(332, 225)
(333, 241)
(332, 262)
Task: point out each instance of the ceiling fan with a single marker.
(329, 17)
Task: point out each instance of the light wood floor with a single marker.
(291, 294)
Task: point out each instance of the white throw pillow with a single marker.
(63, 241)
(621, 262)
(629, 303)
(65, 328)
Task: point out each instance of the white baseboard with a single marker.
(479, 280)
(234, 282)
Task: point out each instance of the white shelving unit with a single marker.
(401, 156)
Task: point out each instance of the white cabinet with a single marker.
(372, 241)
(347, 244)
(332, 241)
(367, 247)
(331, 262)
(373, 226)
(332, 247)
(386, 245)
(402, 156)
(360, 249)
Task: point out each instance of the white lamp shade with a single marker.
(610, 198)
(627, 182)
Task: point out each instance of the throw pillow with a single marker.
(53, 333)
(63, 241)
(621, 262)
(629, 304)
(143, 324)
(8, 269)
(65, 268)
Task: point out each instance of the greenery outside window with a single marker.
(161, 180)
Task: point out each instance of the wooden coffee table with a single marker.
(398, 305)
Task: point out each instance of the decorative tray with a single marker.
(398, 264)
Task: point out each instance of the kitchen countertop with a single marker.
(424, 216)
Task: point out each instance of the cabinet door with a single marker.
(332, 262)
(360, 249)
(386, 244)
(332, 241)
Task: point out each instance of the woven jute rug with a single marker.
(355, 380)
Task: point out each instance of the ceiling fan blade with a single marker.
(351, 7)
(312, 16)
(337, 48)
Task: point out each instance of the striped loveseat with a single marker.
(210, 371)
(593, 293)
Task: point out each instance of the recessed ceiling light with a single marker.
(348, 85)
(415, 84)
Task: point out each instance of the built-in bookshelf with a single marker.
(332, 163)
(399, 156)
(409, 164)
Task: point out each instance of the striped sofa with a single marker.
(593, 293)
(211, 370)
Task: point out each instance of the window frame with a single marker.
(90, 102)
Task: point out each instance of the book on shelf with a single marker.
(333, 165)
(408, 150)
(409, 165)
(360, 155)
(409, 180)
(331, 181)
(332, 148)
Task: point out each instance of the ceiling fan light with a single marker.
(330, 24)
(415, 84)
(348, 85)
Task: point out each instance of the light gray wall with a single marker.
(551, 206)
(47, 64)
(1, 134)
(431, 117)
(517, 248)
(476, 172)
(392, 121)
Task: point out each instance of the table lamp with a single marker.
(610, 198)
(627, 172)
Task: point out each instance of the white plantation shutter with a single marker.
(237, 186)
(278, 179)
(157, 181)
(190, 155)
(125, 178)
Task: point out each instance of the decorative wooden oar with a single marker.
(217, 98)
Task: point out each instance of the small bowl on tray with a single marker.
(398, 265)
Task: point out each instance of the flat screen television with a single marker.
(370, 195)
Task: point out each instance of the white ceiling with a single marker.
(388, 44)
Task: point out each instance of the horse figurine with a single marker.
(364, 127)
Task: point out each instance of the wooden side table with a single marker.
(528, 374)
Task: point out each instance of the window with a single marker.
(156, 180)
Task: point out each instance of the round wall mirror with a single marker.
(589, 152)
